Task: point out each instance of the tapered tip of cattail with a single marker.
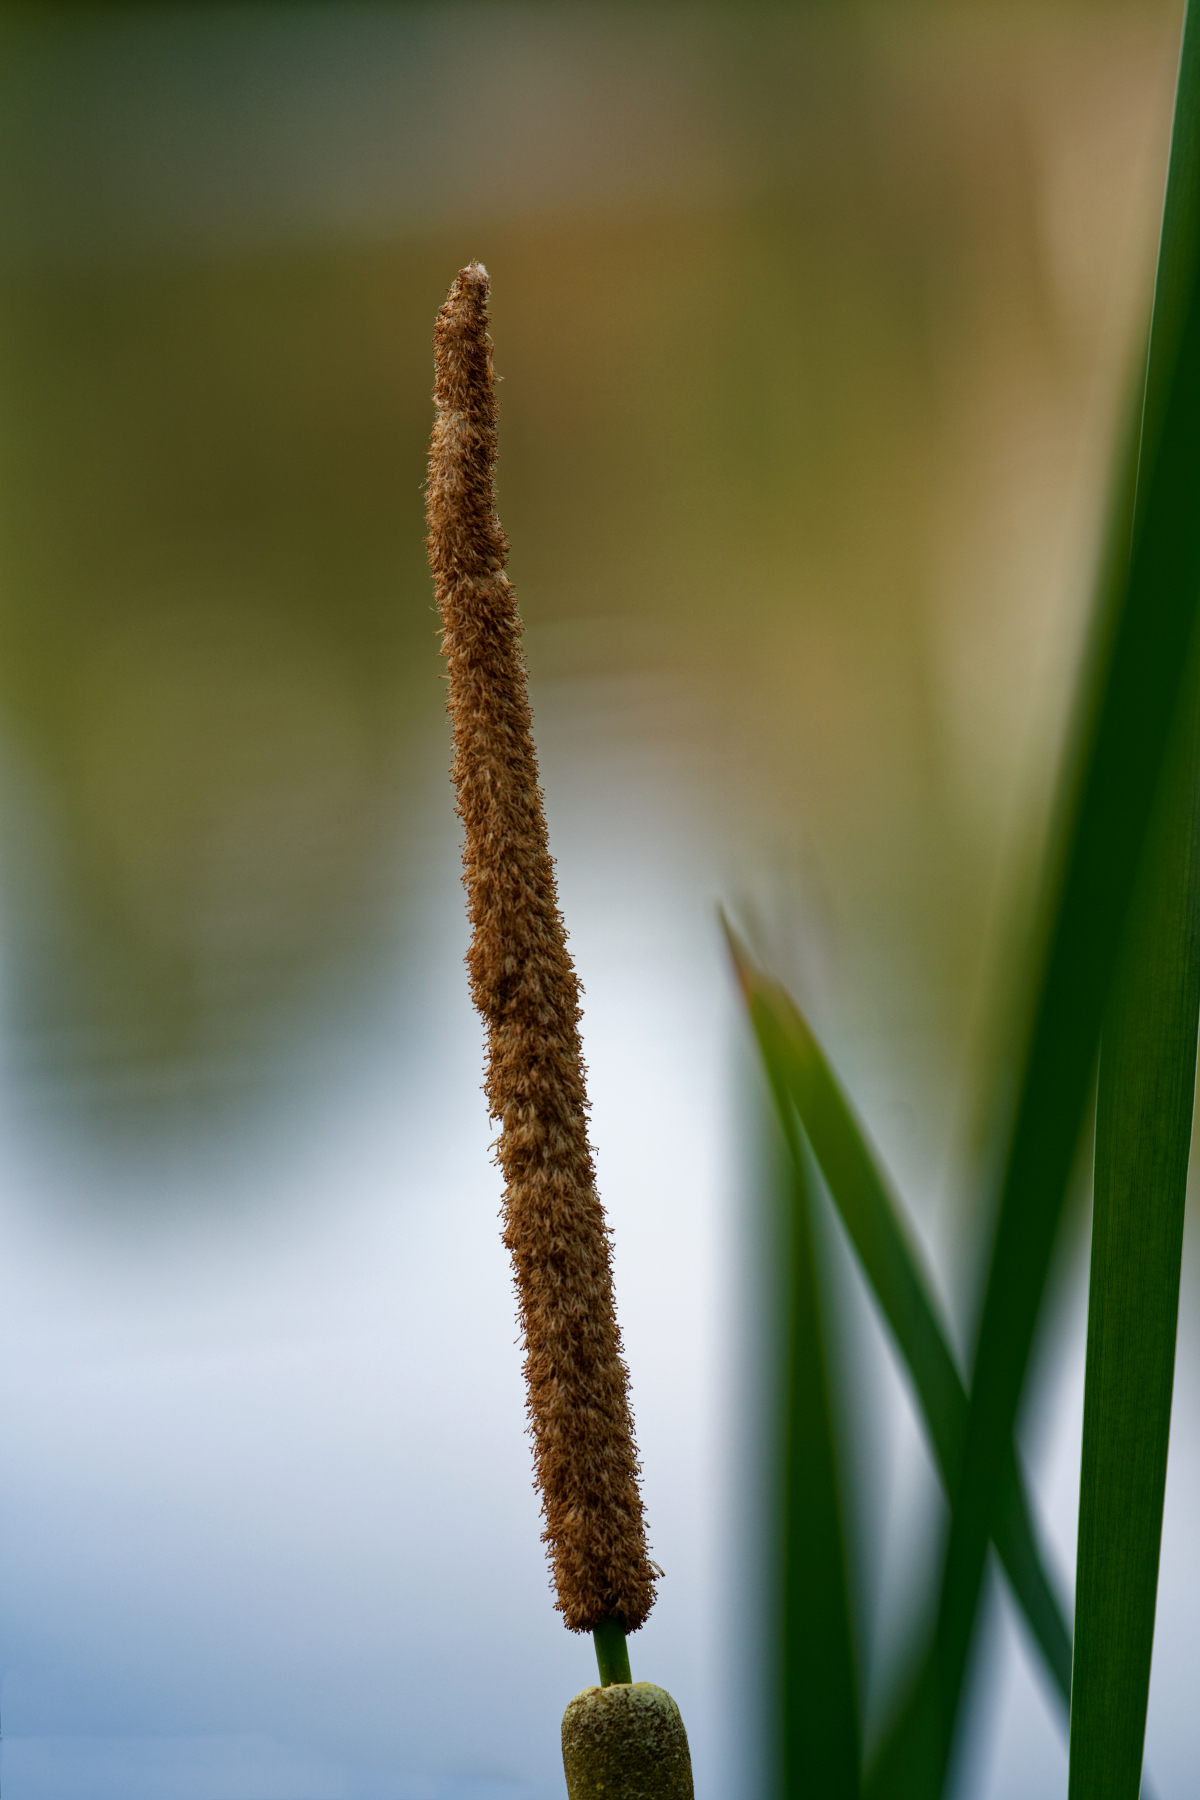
(468, 295)
(466, 544)
(463, 313)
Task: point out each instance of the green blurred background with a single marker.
(814, 325)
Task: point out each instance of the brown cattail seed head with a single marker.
(524, 984)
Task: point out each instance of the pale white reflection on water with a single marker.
(267, 1497)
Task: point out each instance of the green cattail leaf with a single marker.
(1144, 1107)
(1137, 697)
(801, 1078)
(820, 1747)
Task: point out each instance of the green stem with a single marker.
(1144, 1111)
(1137, 701)
(612, 1656)
(821, 1749)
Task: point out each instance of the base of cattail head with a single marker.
(626, 1743)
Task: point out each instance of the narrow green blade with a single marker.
(1143, 1136)
(1138, 698)
(800, 1077)
(820, 1745)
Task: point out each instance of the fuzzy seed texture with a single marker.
(524, 985)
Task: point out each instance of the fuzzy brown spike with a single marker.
(524, 984)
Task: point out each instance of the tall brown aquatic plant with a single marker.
(524, 984)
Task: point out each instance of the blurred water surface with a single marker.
(816, 327)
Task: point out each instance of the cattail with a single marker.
(524, 984)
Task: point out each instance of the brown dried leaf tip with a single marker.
(524, 984)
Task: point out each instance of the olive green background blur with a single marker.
(810, 395)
